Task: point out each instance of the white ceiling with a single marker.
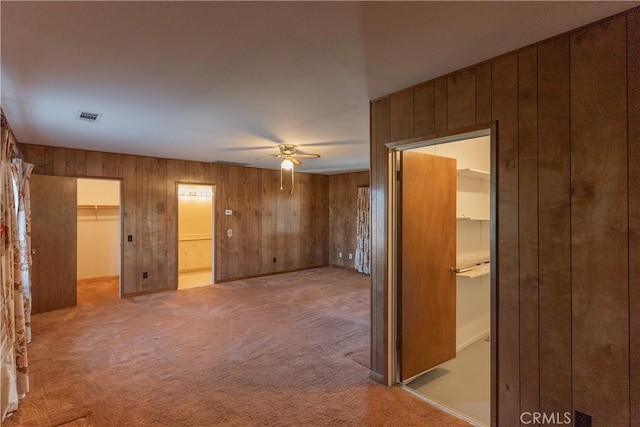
(228, 81)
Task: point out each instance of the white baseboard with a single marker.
(473, 339)
(444, 408)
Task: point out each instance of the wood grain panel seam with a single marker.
(538, 204)
(413, 113)
(517, 144)
(569, 49)
(629, 249)
(629, 220)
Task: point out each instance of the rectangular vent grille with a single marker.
(88, 117)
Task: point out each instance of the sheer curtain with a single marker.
(363, 232)
(15, 249)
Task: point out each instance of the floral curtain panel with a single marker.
(15, 269)
(22, 172)
(363, 232)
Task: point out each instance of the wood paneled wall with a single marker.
(567, 114)
(267, 223)
(343, 196)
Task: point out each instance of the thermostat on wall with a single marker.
(228, 212)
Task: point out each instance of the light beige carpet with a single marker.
(285, 350)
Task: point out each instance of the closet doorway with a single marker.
(442, 273)
(98, 240)
(195, 235)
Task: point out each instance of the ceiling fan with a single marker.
(290, 158)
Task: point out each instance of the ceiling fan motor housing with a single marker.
(287, 149)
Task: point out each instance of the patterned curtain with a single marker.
(363, 232)
(14, 267)
(22, 172)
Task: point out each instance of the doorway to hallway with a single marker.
(195, 235)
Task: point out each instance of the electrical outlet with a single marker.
(145, 275)
(229, 233)
(129, 238)
(274, 259)
(350, 256)
(339, 254)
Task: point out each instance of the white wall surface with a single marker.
(472, 153)
(98, 192)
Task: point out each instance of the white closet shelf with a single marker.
(473, 268)
(470, 218)
(476, 271)
(474, 173)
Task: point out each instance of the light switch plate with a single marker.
(228, 212)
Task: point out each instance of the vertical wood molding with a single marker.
(633, 64)
(380, 135)
(554, 222)
(599, 222)
(505, 112)
(528, 227)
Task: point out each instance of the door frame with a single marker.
(393, 221)
(214, 246)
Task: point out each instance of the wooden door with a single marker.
(427, 251)
(54, 242)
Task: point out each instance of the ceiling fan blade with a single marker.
(315, 156)
(268, 156)
(332, 143)
(262, 147)
(296, 161)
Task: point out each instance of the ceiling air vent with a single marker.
(88, 117)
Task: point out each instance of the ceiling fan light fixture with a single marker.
(286, 164)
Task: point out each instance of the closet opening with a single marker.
(443, 272)
(99, 250)
(195, 235)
